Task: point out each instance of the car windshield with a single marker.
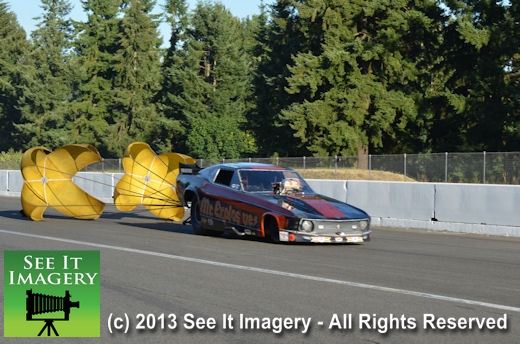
(263, 180)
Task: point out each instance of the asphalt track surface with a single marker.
(152, 266)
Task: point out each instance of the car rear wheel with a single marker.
(272, 233)
(196, 220)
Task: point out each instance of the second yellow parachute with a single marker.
(149, 180)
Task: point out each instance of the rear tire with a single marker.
(196, 220)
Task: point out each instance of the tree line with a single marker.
(303, 77)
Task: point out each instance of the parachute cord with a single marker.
(44, 181)
(147, 178)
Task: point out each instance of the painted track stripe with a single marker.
(274, 272)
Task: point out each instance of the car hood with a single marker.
(317, 206)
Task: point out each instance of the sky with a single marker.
(26, 10)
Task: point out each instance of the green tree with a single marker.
(490, 105)
(46, 97)
(14, 50)
(476, 105)
(278, 37)
(511, 64)
(208, 86)
(424, 43)
(353, 77)
(136, 81)
(96, 48)
(177, 18)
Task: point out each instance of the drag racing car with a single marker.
(266, 201)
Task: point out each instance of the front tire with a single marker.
(272, 232)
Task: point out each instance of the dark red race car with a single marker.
(267, 201)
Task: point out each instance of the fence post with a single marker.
(369, 166)
(335, 166)
(404, 168)
(446, 167)
(484, 169)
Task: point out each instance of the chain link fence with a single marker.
(482, 167)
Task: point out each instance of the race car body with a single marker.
(267, 201)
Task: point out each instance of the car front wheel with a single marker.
(272, 233)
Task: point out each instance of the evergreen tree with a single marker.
(96, 47)
(177, 18)
(424, 43)
(208, 89)
(330, 77)
(352, 78)
(14, 49)
(475, 103)
(279, 37)
(46, 97)
(490, 107)
(136, 80)
(511, 62)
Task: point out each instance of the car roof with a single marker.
(252, 166)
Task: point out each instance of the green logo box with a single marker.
(51, 293)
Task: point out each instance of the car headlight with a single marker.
(363, 225)
(307, 226)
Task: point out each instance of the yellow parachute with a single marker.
(150, 180)
(48, 182)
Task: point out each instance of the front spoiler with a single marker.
(293, 236)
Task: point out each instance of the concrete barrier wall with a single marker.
(98, 184)
(467, 208)
(414, 201)
(11, 182)
(483, 204)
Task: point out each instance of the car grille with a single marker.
(338, 227)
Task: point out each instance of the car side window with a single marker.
(224, 177)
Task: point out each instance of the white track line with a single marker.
(274, 272)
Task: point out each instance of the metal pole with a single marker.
(484, 169)
(335, 166)
(369, 166)
(404, 169)
(446, 168)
